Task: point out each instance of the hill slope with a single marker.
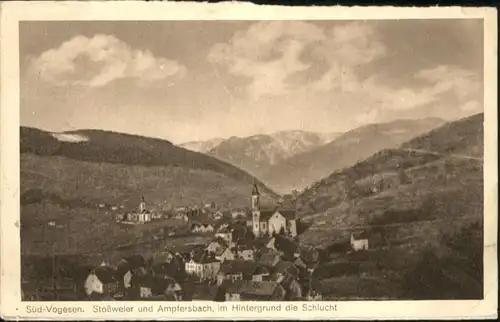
(425, 198)
(125, 149)
(300, 170)
(66, 176)
(445, 159)
(257, 153)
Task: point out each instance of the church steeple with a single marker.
(142, 205)
(255, 197)
(255, 191)
(255, 210)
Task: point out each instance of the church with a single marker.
(266, 222)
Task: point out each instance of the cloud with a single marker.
(267, 53)
(270, 53)
(451, 79)
(100, 60)
(292, 60)
(444, 88)
(346, 48)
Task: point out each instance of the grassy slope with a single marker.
(303, 169)
(126, 149)
(65, 182)
(419, 201)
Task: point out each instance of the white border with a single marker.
(13, 12)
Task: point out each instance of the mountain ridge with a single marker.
(256, 153)
(406, 168)
(122, 148)
(303, 169)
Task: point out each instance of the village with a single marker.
(252, 254)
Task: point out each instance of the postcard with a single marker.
(237, 161)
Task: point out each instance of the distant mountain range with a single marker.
(256, 153)
(302, 169)
(291, 160)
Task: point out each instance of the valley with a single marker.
(418, 200)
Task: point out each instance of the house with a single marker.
(261, 273)
(227, 236)
(213, 247)
(238, 213)
(270, 222)
(218, 215)
(313, 295)
(143, 286)
(172, 288)
(141, 216)
(156, 216)
(148, 286)
(202, 228)
(254, 291)
(181, 216)
(245, 253)
(203, 266)
(223, 227)
(225, 233)
(224, 254)
(208, 228)
(359, 241)
(216, 245)
(197, 228)
(102, 281)
(265, 244)
(234, 270)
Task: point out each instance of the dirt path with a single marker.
(457, 156)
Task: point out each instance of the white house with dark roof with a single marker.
(102, 281)
(359, 240)
(246, 253)
(234, 270)
(224, 254)
(203, 266)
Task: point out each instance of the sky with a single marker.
(195, 80)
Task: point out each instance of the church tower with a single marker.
(142, 205)
(255, 210)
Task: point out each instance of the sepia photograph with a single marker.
(251, 160)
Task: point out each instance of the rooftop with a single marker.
(262, 288)
(238, 266)
(106, 274)
(270, 259)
